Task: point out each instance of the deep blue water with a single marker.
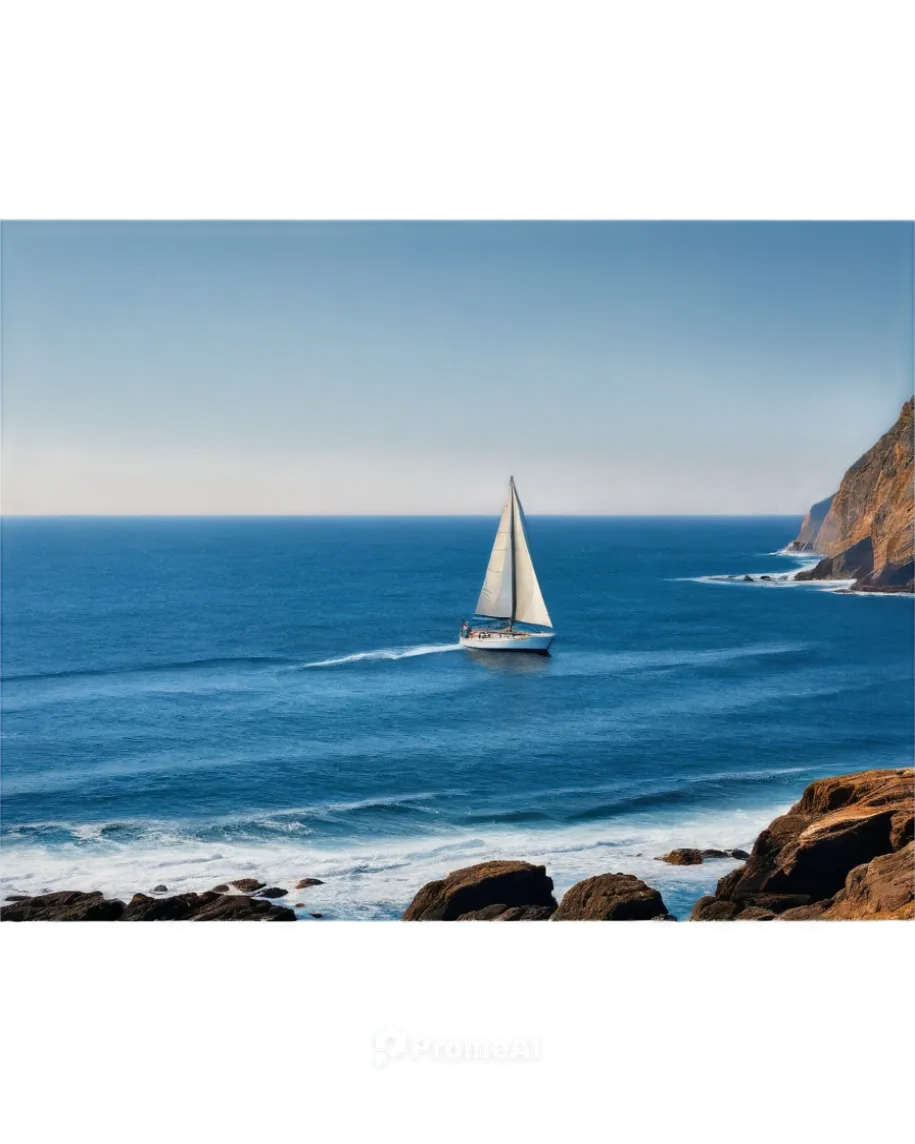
(188, 700)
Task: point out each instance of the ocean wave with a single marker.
(376, 879)
(379, 653)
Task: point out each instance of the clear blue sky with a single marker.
(373, 367)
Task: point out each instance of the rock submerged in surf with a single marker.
(682, 857)
(247, 885)
(64, 906)
(304, 883)
(76, 906)
(203, 908)
(687, 856)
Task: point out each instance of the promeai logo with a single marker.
(389, 1042)
(525, 1046)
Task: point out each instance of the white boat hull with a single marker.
(508, 641)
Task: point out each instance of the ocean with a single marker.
(191, 700)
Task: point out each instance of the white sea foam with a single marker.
(375, 879)
(776, 580)
(381, 653)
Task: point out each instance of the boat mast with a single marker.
(511, 529)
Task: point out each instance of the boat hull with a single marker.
(537, 642)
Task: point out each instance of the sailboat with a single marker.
(510, 592)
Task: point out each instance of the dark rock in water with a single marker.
(748, 579)
(473, 888)
(273, 892)
(689, 857)
(65, 906)
(609, 898)
(222, 888)
(765, 577)
(843, 851)
(142, 908)
(237, 907)
(682, 857)
(160, 889)
(210, 906)
(247, 885)
(304, 883)
(316, 915)
(299, 906)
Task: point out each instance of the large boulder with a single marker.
(64, 906)
(829, 856)
(474, 888)
(611, 898)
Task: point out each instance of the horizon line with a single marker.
(376, 515)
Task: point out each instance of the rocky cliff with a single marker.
(843, 852)
(811, 526)
(865, 531)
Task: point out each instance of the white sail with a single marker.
(529, 605)
(496, 595)
(510, 590)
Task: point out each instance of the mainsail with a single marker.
(510, 589)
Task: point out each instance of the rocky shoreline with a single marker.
(844, 851)
(244, 900)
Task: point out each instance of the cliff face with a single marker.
(843, 852)
(811, 526)
(866, 529)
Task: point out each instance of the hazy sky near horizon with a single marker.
(410, 368)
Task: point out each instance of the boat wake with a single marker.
(380, 653)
